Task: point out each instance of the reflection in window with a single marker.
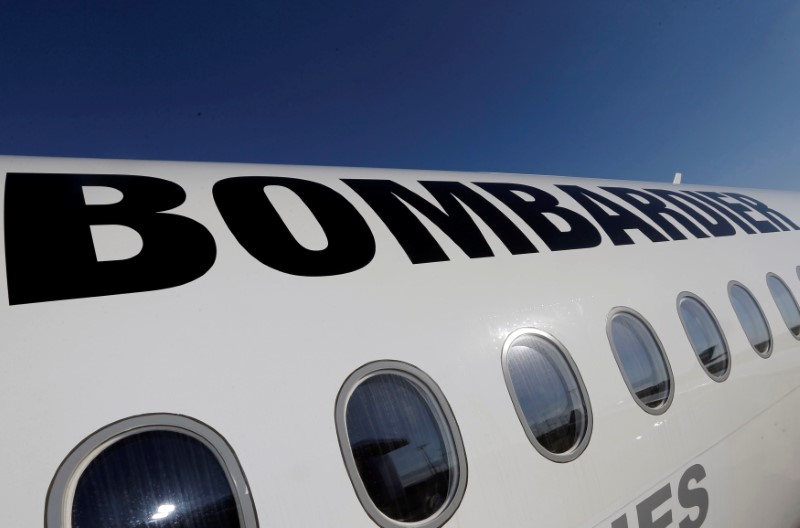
(705, 336)
(641, 361)
(786, 303)
(547, 394)
(155, 479)
(402, 448)
(751, 318)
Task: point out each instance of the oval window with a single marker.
(401, 445)
(705, 336)
(786, 302)
(751, 318)
(154, 471)
(548, 394)
(641, 360)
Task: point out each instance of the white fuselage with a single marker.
(260, 354)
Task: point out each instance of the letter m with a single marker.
(393, 203)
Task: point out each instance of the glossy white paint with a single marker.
(261, 355)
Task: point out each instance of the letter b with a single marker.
(50, 254)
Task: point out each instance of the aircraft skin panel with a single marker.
(260, 354)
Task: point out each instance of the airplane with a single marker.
(215, 345)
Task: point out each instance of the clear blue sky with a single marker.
(633, 89)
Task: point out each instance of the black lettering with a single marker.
(391, 202)
(720, 206)
(717, 226)
(743, 211)
(693, 497)
(777, 218)
(645, 509)
(261, 231)
(582, 234)
(615, 224)
(657, 211)
(621, 522)
(50, 254)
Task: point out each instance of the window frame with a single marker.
(771, 347)
(583, 443)
(775, 301)
(61, 493)
(690, 295)
(445, 420)
(661, 409)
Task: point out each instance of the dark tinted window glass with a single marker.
(155, 479)
(401, 447)
(786, 303)
(547, 393)
(751, 318)
(705, 336)
(641, 360)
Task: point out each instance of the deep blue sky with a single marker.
(633, 89)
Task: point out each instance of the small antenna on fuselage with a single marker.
(677, 179)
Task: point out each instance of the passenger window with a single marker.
(401, 445)
(148, 472)
(641, 360)
(786, 302)
(152, 478)
(751, 318)
(548, 394)
(705, 336)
